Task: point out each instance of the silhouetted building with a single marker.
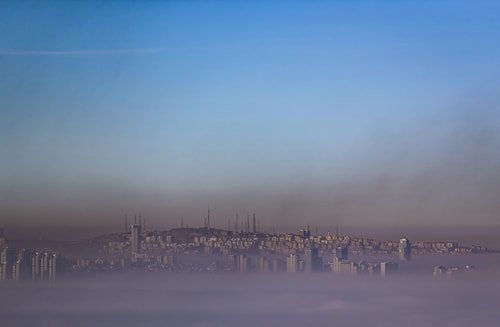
(404, 249)
(136, 241)
(232, 262)
(388, 267)
(3, 243)
(312, 261)
(292, 263)
(44, 265)
(8, 258)
(52, 267)
(263, 265)
(440, 270)
(35, 266)
(341, 253)
(243, 264)
(305, 233)
(3, 263)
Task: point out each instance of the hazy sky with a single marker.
(351, 112)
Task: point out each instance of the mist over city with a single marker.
(256, 163)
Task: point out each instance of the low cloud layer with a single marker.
(249, 300)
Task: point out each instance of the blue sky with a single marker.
(336, 107)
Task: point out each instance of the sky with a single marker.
(357, 113)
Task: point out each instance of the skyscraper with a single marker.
(340, 256)
(52, 267)
(312, 261)
(136, 242)
(243, 263)
(341, 253)
(291, 263)
(388, 267)
(405, 249)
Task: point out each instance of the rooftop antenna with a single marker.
(182, 222)
(248, 222)
(229, 226)
(135, 219)
(337, 231)
(254, 225)
(208, 217)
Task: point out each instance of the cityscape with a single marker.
(225, 163)
(243, 249)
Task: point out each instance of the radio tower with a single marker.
(208, 217)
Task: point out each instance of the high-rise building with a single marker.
(405, 249)
(16, 270)
(340, 259)
(35, 266)
(52, 267)
(312, 261)
(305, 233)
(233, 262)
(341, 253)
(388, 267)
(292, 263)
(3, 243)
(44, 266)
(244, 263)
(264, 265)
(136, 241)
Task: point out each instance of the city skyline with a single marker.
(319, 113)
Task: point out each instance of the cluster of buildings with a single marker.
(25, 264)
(245, 251)
(212, 241)
(341, 264)
(251, 251)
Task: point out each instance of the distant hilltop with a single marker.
(186, 234)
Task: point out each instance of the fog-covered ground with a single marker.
(469, 298)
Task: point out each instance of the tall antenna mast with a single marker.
(208, 217)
